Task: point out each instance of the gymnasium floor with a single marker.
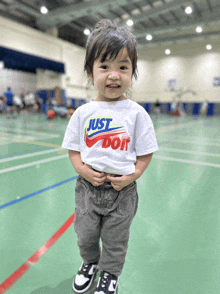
(175, 236)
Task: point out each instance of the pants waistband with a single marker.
(104, 172)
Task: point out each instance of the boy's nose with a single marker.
(113, 76)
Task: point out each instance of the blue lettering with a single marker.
(108, 120)
(90, 125)
(101, 123)
(95, 124)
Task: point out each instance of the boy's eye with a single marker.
(104, 66)
(123, 67)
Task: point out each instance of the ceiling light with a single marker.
(167, 51)
(149, 37)
(146, 7)
(130, 22)
(125, 16)
(208, 47)
(188, 10)
(87, 32)
(170, 66)
(199, 29)
(209, 64)
(135, 11)
(43, 9)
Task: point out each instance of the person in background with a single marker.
(9, 102)
(22, 99)
(62, 111)
(29, 101)
(157, 107)
(70, 111)
(32, 101)
(204, 108)
(2, 105)
(37, 105)
(18, 103)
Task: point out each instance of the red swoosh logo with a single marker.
(95, 139)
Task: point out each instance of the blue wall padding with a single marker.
(147, 107)
(196, 107)
(210, 109)
(184, 106)
(168, 107)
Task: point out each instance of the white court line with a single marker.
(2, 171)
(30, 155)
(155, 156)
(189, 152)
(186, 161)
(21, 132)
(66, 155)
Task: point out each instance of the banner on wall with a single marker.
(172, 84)
(216, 81)
(17, 60)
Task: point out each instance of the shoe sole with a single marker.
(87, 288)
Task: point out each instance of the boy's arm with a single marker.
(142, 163)
(85, 170)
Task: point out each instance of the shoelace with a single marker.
(104, 280)
(85, 267)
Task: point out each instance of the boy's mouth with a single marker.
(115, 86)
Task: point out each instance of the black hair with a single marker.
(108, 39)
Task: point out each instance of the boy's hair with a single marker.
(107, 39)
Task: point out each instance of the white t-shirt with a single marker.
(17, 101)
(29, 99)
(110, 135)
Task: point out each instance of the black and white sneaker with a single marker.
(84, 277)
(107, 284)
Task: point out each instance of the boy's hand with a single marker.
(141, 164)
(95, 178)
(118, 183)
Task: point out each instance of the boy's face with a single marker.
(112, 78)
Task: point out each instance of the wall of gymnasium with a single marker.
(19, 81)
(190, 65)
(187, 64)
(27, 40)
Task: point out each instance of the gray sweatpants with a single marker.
(106, 214)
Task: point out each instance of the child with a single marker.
(111, 141)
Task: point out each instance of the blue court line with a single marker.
(37, 192)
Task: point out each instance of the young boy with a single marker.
(111, 141)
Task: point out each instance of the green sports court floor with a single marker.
(175, 237)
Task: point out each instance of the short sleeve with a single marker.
(72, 135)
(145, 138)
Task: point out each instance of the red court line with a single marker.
(35, 257)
